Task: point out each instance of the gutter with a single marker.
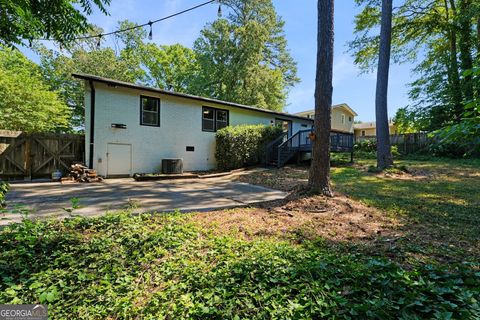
(92, 123)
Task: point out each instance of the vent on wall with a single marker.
(172, 166)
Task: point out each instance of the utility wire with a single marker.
(150, 23)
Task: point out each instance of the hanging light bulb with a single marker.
(99, 42)
(219, 12)
(150, 34)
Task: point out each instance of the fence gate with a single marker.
(39, 154)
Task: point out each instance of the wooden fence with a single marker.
(406, 143)
(37, 155)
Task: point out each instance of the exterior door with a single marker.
(119, 159)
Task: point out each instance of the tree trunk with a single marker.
(319, 177)
(478, 36)
(453, 74)
(384, 154)
(466, 46)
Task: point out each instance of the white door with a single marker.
(119, 159)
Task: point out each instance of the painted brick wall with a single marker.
(180, 126)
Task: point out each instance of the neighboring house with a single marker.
(343, 117)
(368, 129)
(130, 128)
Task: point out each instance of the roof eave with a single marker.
(108, 81)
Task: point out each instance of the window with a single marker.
(350, 119)
(149, 111)
(208, 123)
(214, 119)
(222, 119)
(363, 133)
(343, 118)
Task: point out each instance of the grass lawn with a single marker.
(400, 245)
(433, 210)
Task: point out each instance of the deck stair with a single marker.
(284, 148)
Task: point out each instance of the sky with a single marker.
(300, 16)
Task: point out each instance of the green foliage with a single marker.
(59, 20)
(244, 58)
(445, 33)
(368, 149)
(83, 57)
(171, 67)
(243, 145)
(405, 121)
(26, 102)
(462, 138)
(366, 145)
(162, 266)
(3, 191)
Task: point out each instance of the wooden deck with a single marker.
(279, 151)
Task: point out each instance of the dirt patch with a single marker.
(300, 218)
(410, 175)
(286, 179)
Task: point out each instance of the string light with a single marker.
(149, 23)
(150, 34)
(99, 42)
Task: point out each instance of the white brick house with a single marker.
(131, 128)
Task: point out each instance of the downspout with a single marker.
(92, 123)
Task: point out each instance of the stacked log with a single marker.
(81, 173)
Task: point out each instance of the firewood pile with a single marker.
(81, 173)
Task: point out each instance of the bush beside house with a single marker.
(243, 145)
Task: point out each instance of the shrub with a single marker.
(366, 146)
(3, 192)
(243, 145)
(368, 149)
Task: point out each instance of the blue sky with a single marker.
(358, 90)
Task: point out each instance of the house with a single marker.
(130, 128)
(343, 117)
(368, 129)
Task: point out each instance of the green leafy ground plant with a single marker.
(162, 266)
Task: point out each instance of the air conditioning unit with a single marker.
(172, 166)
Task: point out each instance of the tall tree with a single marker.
(62, 21)
(26, 102)
(465, 18)
(443, 32)
(244, 58)
(84, 57)
(319, 175)
(384, 153)
(172, 67)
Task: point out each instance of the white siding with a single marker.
(180, 126)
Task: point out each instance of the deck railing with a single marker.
(300, 142)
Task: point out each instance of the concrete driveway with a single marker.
(48, 199)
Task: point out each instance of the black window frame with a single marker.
(141, 111)
(215, 110)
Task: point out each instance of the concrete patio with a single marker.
(50, 199)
